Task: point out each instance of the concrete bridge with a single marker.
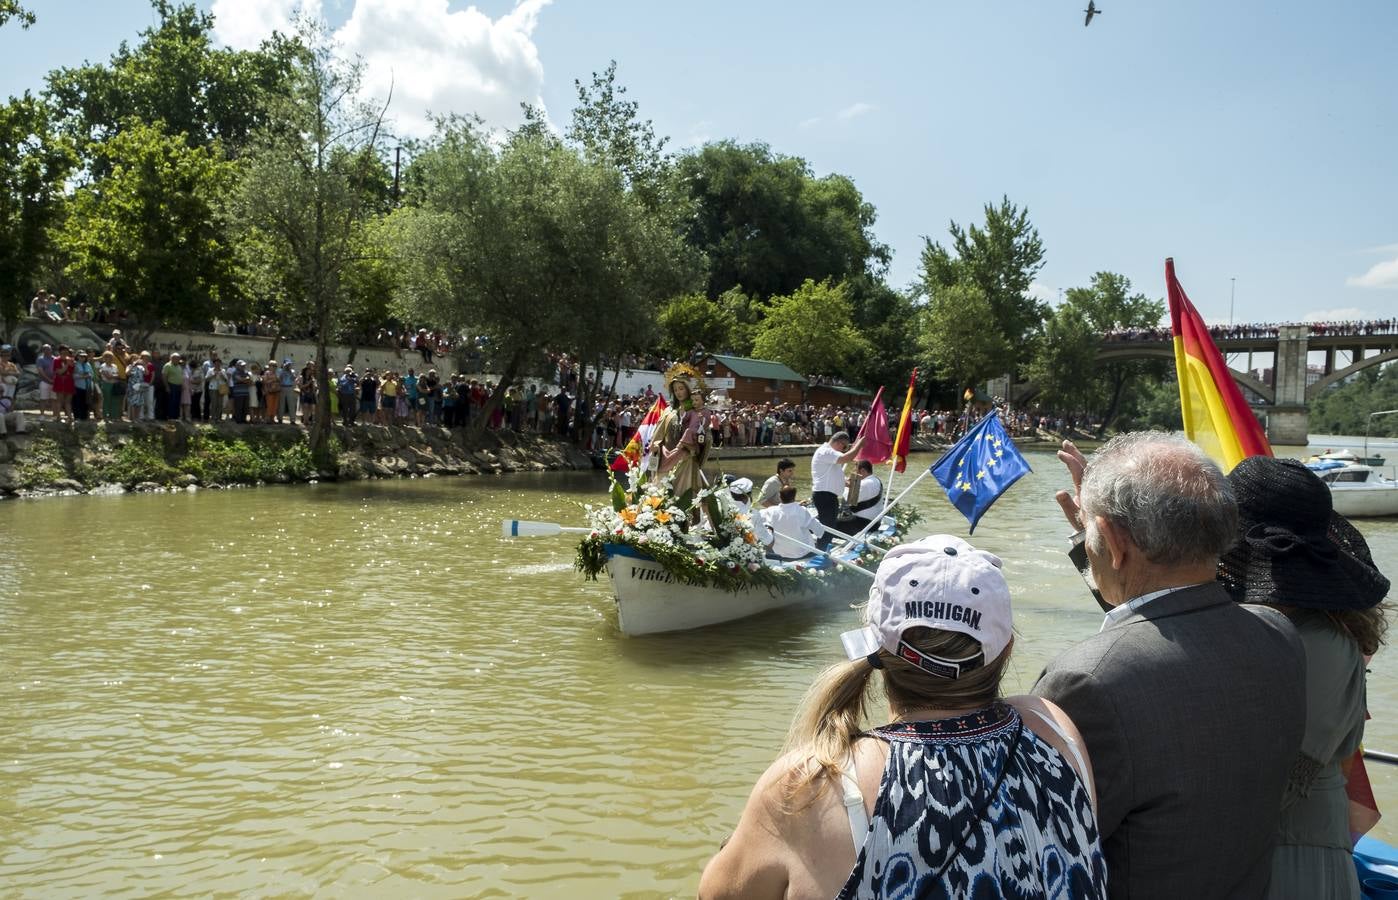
(1283, 400)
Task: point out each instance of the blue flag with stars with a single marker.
(979, 468)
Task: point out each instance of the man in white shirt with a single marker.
(828, 478)
(787, 523)
(869, 502)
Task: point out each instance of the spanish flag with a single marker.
(1215, 415)
(904, 440)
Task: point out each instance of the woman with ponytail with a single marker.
(964, 793)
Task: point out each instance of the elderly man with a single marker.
(828, 479)
(1192, 707)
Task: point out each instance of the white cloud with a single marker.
(1344, 314)
(812, 122)
(243, 24)
(434, 60)
(1043, 292)
(857, 109)
(1380, 275)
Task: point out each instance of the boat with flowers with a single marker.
(673, 570)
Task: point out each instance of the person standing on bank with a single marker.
(1194, 704)
(964, 794)
(828, 479)
(1297, 555)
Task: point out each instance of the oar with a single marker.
(1380, 756)
(835, 559)
(842, 536)
(512, 528)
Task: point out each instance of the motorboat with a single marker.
(1357, 489)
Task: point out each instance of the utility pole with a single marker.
(397, 160)
(1232, 291)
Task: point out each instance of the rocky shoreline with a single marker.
(59, 459)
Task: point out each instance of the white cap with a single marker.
(740, 486)
(936, 582)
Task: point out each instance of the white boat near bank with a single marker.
(1356, 489)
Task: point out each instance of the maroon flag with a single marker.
(878, 446)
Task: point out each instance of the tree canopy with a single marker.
(811, 330)
(767, 224)
(1001, 259)
(34, 164)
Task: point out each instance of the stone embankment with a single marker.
(51, 458)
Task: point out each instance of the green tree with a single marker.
(811, 330)
(1345, 408)
(1065, 364)
(177, 76)
(746, 311)
(767, 223)
(10, 9)
(1001, 259)
(535, 247)
(958, 334)
(888, 320)
(33, 166)
(695, 319)
(150, 238)
(306, 199)
(609, 129)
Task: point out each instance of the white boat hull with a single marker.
(1365, 500)
(649, 600)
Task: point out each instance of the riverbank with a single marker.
(56, 459)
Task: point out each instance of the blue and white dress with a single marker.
(937, 830)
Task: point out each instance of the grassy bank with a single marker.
(162, 458)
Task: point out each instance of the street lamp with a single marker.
(1232, 291)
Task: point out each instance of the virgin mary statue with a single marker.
(682, 432)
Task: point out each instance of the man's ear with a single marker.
(1119, 544)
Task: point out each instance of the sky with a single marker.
(1252, 140)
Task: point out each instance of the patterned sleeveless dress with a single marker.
(934, 832)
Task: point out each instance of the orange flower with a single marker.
(654, 501)
(749, 537)
(628, 515)
(662, 517)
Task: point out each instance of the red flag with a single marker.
(630, 456)
(877, 446)
(904, 439)
(1215, 415)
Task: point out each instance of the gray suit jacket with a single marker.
(1192, 710)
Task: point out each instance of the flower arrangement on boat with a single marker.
(701, 540)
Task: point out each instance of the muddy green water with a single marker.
(362, 691)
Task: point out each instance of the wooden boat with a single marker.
(1357, 489)
(651, 600)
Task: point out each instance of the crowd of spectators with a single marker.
(1357, 328)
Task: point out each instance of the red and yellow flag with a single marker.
(904, 440)
(1215, 415)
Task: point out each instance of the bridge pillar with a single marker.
(1288, 420)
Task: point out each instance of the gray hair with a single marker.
(840, 436)
(1171, 499)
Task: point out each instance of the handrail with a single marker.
(1369, 424)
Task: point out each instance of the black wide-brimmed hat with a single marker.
(1293, 549)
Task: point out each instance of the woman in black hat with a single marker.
(1296, 554)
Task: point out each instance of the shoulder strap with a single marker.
(854, 804)
(1072, 745)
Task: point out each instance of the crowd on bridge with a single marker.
(1256, 330)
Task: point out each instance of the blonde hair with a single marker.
(832, 715)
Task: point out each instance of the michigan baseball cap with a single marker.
(936, 582)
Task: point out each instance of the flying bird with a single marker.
(1091, 11)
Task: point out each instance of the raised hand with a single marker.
(1070, 503)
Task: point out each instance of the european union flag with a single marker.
(979, 468)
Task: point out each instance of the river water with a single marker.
(361, 690)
